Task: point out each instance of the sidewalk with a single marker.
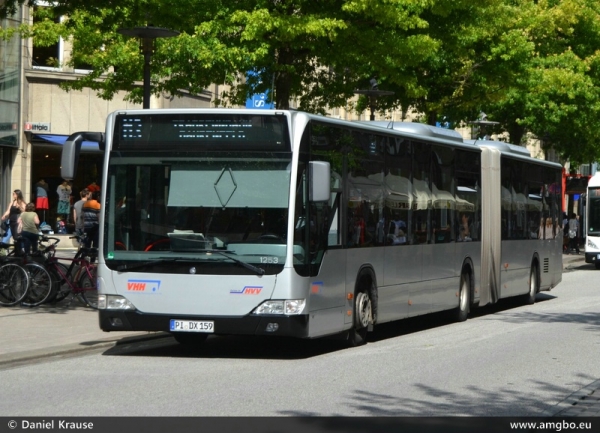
(66, 243)
(67, 328)
(51, 330)
(571, 261)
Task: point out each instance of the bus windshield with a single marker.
(593, 222)
(193, 204)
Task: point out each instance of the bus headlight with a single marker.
(591, 244)
(288, 307)
(110, 302)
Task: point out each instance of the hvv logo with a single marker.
(143, 286)
(247, 290)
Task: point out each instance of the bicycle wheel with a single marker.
(40, 284)
(89, 291)
(14, 283)
(61, 287)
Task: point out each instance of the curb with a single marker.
(575, 404)
(19, 358)
(572, 261)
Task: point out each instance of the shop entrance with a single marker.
(45, 164)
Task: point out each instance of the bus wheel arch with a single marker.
(364, 306)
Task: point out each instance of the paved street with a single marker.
(70, 328)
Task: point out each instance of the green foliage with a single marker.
(533, 66)
(556, 97)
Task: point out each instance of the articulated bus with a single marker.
(283, 223)
(592, 221)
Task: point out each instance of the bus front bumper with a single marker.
(592, 257)
(276, 325)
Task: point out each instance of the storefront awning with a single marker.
(87, 146)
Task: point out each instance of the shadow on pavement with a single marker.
(253, 347)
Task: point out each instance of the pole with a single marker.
(147, 35)
(147, 49)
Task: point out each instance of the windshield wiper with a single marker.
(140, 265)
(259, 271)
(160, 261)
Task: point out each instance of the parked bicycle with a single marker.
(14, 279)
(78, 279)
(40, 281)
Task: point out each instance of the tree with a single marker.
(314, 51)
(557, 93)
(531, 65)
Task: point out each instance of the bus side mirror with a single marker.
(71, 148)
(319, 181)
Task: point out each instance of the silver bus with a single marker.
(283, 223)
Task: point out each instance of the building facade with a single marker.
(10, 98)
(37, 116)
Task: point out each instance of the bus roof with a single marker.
(419, 129)
(502, 147)
(594, 181)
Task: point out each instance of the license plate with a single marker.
(192, 326)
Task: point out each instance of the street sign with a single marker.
(258, 100)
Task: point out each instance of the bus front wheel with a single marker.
(363, 312)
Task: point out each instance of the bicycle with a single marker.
(78, 279)
(14, 279)
(40, 281)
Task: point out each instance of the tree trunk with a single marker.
(283, 79)
(432, 118)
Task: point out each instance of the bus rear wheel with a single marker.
(534, 283)
(464, 298)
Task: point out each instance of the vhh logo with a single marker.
(146, 286)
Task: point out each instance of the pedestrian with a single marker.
(93, 187)
(14, 210)
(573, 233)
(78, 211)
(29, 222)
(91, 219)
(565, 232)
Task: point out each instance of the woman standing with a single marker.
(16, 207)
(29, 228)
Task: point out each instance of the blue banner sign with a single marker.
(258, 100)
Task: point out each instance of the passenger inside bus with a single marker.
(464, 232)
(397, 233)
